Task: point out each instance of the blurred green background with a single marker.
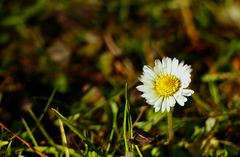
(88, 50)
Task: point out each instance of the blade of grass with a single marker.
(29, 132)
(9, 148)
(76, 131)
(98, 105)
(22, 140)
(110, 140)
(3, 143)
(45, 134)
(64, 139)
(53, 150)
(225, 55)
(215, 94)
(114, 98)
(138, 151)
(138, 117)
(45, 108)
(114, 126)
(47, 105)
(125, 121)
(130, 131)
(201, 103)
(39, 125)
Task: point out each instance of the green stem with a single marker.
(170, 127)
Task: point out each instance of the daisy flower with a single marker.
(166, 83)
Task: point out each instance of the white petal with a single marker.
(142, 88)
(152, 100)
(164, 105)
(187, 68)
(158, 102)
(146, 77)
(172, 101)
(168, 107)
(185, 80)
(181, 64)
(174, 66)
(185, 84)
(157, 108)
(146, 95)
(187, 92)
(164, 64)
(147, 82)
(158, 63)
(167, 104)
(148, 72)
(145, 88)
(181, 100)
(150, 96)
(169, 66)
(158, 70)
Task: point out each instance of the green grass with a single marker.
(68, 72)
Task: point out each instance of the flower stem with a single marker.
(170, 127)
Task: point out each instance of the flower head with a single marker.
(166, 83)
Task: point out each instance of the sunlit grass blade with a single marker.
(64, 139)
(9, 149)
(3, 143)
(138, 151)
(29, 132)
(110, 140)
(76, 131)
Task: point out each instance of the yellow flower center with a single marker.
(167, 85)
